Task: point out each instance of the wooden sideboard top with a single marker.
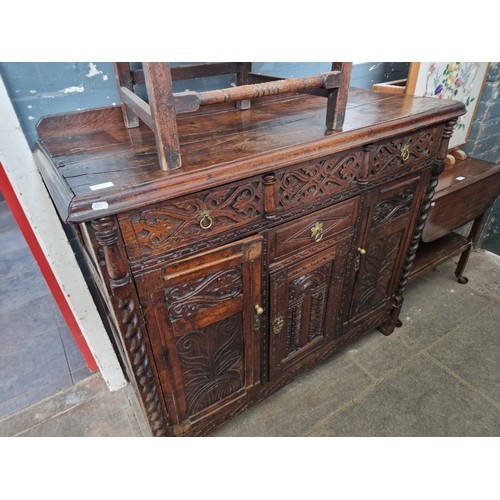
(94, 166)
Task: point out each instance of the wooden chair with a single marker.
(163, 106)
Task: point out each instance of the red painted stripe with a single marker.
(36, 250)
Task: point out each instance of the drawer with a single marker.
(187, 220)
(404, 152)
(309, 183)
(312, 232)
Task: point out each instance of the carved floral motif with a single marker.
(211, 361)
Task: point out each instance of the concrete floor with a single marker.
(437, 375)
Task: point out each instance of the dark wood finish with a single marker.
(239, 270)
(304, 307)
(163, 114)
(160, 112)
(464, 193)
(337, 97)
(203, 311)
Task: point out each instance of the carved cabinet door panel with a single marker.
(305, 300)
(391, 212)
(203, 311)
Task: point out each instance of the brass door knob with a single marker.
(361, 251)
(259, 310)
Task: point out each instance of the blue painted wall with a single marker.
(40, 89)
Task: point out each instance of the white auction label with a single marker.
(104, 185)
(100, 205)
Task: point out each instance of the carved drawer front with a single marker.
(307, 183)
(305, 301)
(189, 219)
(202, 314)
(313, 232)
(404, 152)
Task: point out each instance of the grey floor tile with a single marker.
(7, 221)
(483, 271)
(21, 289)
(378, 354)
(33, 372)
(11, 239)
(434, 305)
(473, 351)
(295, 408)
(17, 262)
(105, 415)
(419, 400)
(73, 354)
(24, 323)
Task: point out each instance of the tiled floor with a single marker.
(38, 355)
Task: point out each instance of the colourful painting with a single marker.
(462, 81)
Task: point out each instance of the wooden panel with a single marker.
(304, 302)
(312, 232)
(203, 313)
(219, 146)
(384, 243)
(461, 200)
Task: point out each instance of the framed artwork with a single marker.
(462, 81)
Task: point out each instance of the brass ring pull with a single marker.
(205, 219)
(405, 152)
(317, 232)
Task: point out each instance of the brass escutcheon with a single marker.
(278, 325)
(205, 219)
(405, 152)
(317, 232)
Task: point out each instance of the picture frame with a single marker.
(463, 81)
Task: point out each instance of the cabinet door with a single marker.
(391, 214)
(305, 303)
(204, 312)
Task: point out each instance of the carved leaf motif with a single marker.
(211, 361)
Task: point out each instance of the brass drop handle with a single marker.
(405, 152)
(317, 232)
(205, 219)
(362, 251)
(259, 310)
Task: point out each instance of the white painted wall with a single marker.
(17, 160)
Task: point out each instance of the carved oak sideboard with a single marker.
(275, 244)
